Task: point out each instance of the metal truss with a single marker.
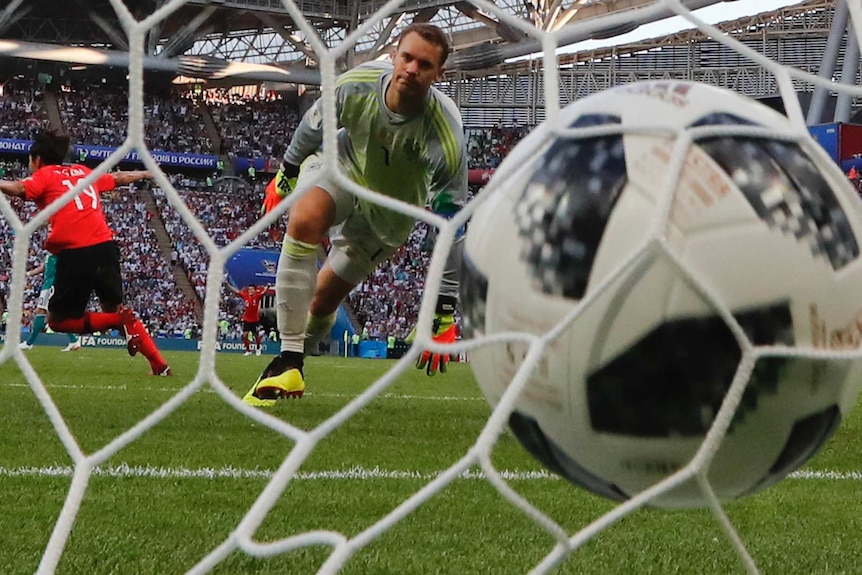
(514, 93)
(794, 36)
(261, 31)
(267, 44)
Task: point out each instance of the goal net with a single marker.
(816, 83)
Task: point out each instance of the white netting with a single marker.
(343, 547)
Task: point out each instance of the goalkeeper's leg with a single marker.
(331, 291)
(316, 329)
(295, 283)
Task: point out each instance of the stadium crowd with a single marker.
(226, 207)
(15, 170)
(224, 213)
(21, 111)
(100, 118)
(253, 127)
(373, 300)
(149, 284)
(248, 126)
(488, 146)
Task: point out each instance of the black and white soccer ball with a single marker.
(760, 225)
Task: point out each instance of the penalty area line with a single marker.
(351, 473)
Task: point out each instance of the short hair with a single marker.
(431, 34)
(52, 146)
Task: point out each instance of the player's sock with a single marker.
(246, 342)
(88, 323)
(291, 360)
(294, 287)
(38, 325)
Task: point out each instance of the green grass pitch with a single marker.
(165, 501)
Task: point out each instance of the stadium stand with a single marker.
(374, 300)
(99, 117)
(21, 110)
(225, 212)
(245, 126)
(149, 286)
(488, 146)
(252, 127)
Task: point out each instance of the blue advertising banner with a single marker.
(854, 163)
(257, 267)
(252, 267)
(241, 165)
(99, 153)
(372, 349)
(164, 344)
(198, 161)
(367, 349)
(829, 137)
(14, 146)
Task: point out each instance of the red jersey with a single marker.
(81, 222)
(252, 304)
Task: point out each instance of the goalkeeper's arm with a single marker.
(306, 140)
(443, 331)
(446, 203)
(280, 186)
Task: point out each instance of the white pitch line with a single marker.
(353, 473)
(410, 397)
(827, 474)
(207, 389)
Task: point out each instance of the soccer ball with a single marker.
(646, 251)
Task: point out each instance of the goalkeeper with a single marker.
(398, 136)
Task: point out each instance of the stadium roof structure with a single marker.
(811, 37)
(262, 41)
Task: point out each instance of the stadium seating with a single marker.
(225, 213)
(247, 126)
(99, 118)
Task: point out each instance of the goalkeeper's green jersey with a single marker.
(421, 160)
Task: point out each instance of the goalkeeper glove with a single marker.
(280, 186)
(443, 331)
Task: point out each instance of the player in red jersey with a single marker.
(88, 258)
(251, 295)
